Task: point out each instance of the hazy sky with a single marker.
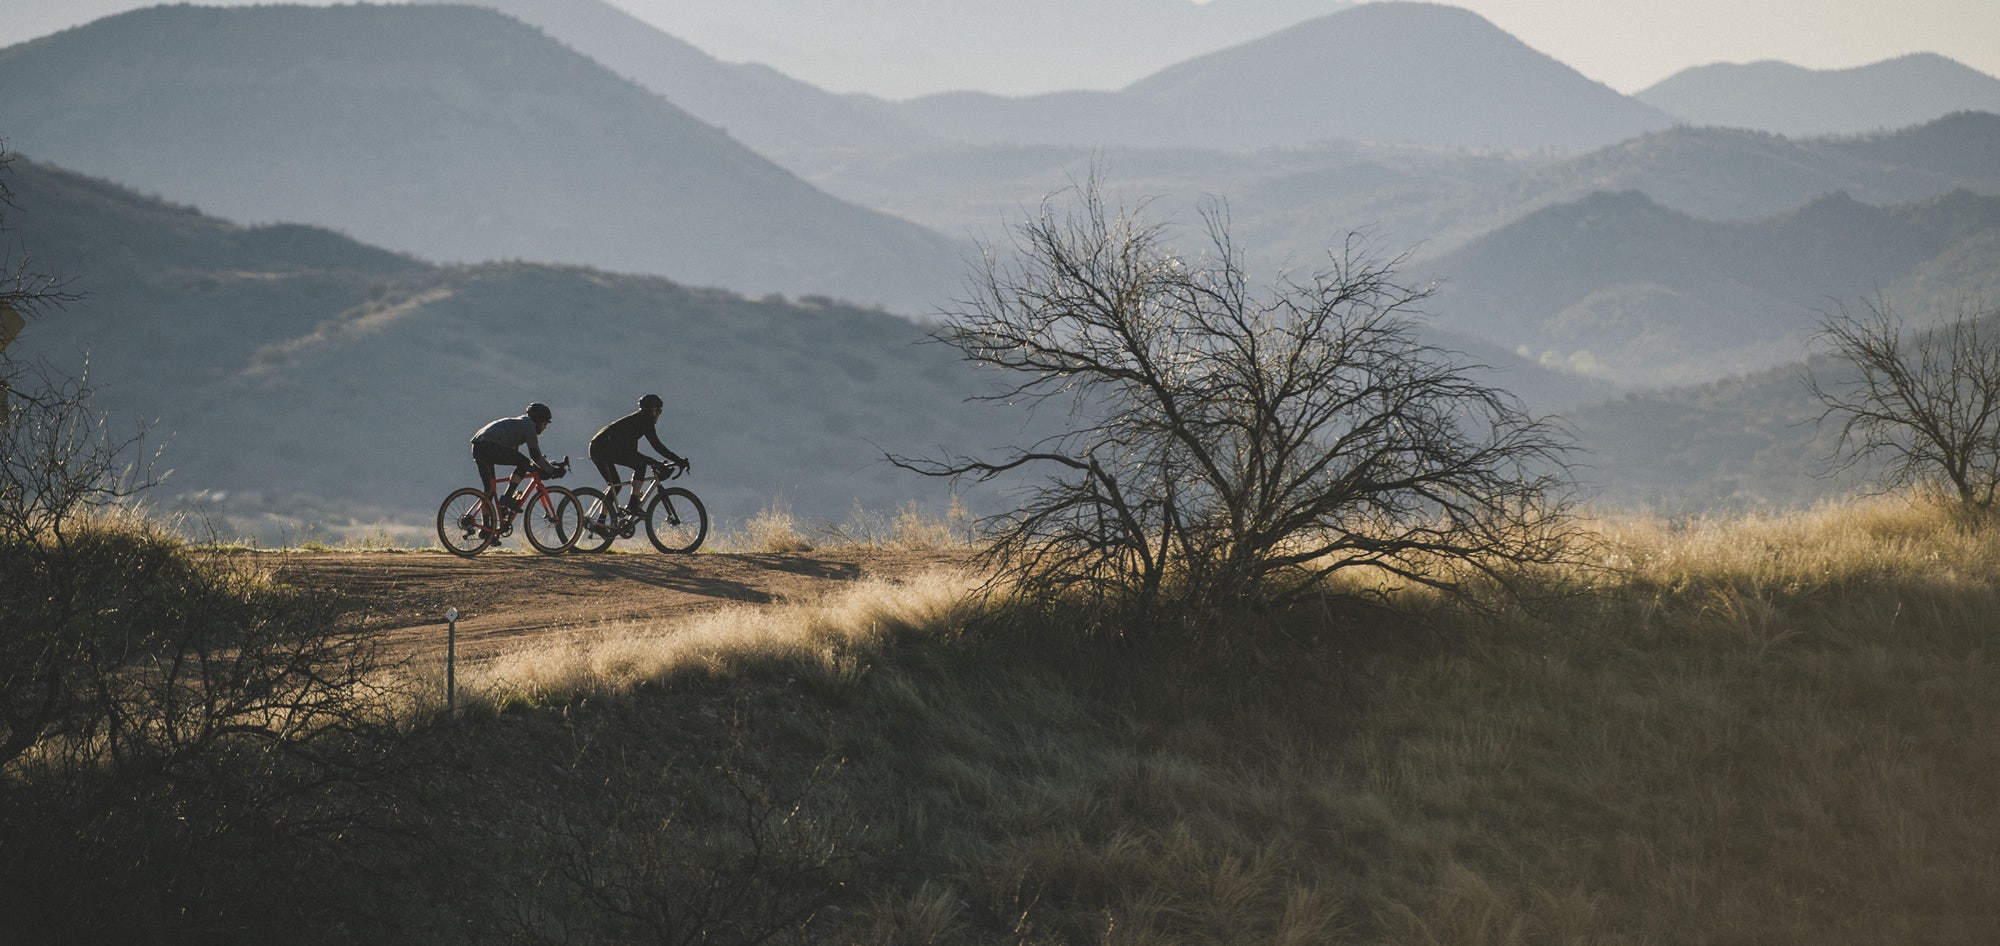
(1627, 44)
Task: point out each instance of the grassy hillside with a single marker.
(1769, 730)
(311, 386)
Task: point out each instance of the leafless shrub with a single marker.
(719, 855)
(181, 738)
(1224, 446)
(1925, 405)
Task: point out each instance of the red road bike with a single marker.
(470, 520)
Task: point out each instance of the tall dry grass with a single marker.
(1762, 729)
(823, 638)
(1765, 729)
(911, 526)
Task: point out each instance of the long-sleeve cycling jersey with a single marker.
(513, 432)
(621, 437)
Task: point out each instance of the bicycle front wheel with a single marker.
(553, 522)
(597, 531)
(465, 523)
(676, 521)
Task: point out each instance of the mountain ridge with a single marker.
(1654, 296)
(455, 133)
(1353, 74)
(1792, 100)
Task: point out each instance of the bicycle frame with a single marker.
(470, 520)
(653, 486)
(676, 522)
(535, 492)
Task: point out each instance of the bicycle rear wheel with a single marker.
(465, 523)
(552, 524)
(597, 533)
(676, 521)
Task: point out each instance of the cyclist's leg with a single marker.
(483, 458)
(639, 465)
(602, 459)
(491, 455)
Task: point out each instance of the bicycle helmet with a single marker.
(540, 413)
(651, 401)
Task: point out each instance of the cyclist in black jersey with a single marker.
(499, 444)
(617, 444)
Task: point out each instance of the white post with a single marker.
(451, 663)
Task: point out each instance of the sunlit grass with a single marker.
(819, 637)
(1780, 728)
(774, 529)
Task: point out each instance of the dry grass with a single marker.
(820, 637)
(772, 529)
(775, 529)
(1776, 729)
(1767, 729)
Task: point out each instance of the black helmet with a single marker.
(540, 413)
(651, 401)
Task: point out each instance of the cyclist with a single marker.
(617, 444)
(499, 444)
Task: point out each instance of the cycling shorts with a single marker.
(489, 455)
(608, 459)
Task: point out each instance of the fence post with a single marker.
(451, 664)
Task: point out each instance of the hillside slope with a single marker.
(451, 132)
(772, 113)
(1617, 285)
(309, 384)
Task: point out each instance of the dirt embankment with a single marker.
(502, 598)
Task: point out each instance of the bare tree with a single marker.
(1228, 447)
(22, 288)
(23, 292)
(1924, 405)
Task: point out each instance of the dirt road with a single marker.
(501, 597)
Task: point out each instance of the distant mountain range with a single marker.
(1618, 286)
(1380, 72)
(387, 139)
(1460, 215)
(1790, 100)
(451, 132)
(916, 47)
(1288, 73)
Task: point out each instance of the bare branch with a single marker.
(1925, 406)
(1234, 446)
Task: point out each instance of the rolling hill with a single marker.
(307, 385)
(770, 112)
(1381, 72)
(1619, 286)
(1287, 205)
(454, 133)
(1790, 100)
